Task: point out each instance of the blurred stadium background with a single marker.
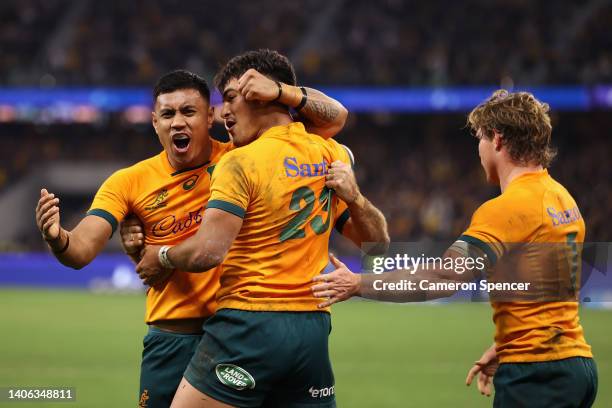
(75, 80)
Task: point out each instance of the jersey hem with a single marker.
(281, 306)
(522, 358)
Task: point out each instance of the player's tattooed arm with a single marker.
(75, 248)
(321, 114)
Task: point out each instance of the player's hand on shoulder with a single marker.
(132, 237)
(48, 216)
(150, 270)
(256, 86)
(485, 369)
(341, 178)
(338, 285)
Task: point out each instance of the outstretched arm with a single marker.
(75, 248)
(398, 285)
(321, 115)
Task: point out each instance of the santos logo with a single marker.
(295, 169)
(322, 392)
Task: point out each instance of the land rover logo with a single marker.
(190, 183)
(234, 376)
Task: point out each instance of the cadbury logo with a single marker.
(170, 225)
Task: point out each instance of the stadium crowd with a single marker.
(422, 171)
(408, 43)
(419, 169)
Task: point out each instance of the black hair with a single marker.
(268, 62)
(181, 79)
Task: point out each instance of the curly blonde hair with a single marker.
(523, 122)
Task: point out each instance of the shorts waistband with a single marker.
(179, 326)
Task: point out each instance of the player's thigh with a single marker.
(232, 362)
(569, 383)
(310, 381)
(245, 357)
(165, 357)
(187, 396)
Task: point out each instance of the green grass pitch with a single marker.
(384, 355)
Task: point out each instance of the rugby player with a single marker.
(269, 218)
(169, 192)
(543, 358)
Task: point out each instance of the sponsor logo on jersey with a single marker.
(234, 376)
(159, 202)
(321, 392)
(295, 169)
(190, 182)
(563, 217)
(169, 225)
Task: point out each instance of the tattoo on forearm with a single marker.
(320, 112)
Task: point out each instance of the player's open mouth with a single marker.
(181, 142)
(229, 124)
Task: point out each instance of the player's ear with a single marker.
(154, 120)
(211, 116)
(497, 140)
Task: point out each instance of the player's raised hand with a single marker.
(48, 216)
(341, 178)
(485, 368)
(256, 86)
(338, 285)
(150, 270)
(132, 237)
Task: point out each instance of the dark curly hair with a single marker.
(522, 120)
(268, 62)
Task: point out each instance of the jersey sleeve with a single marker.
(230, 188)
(112, 199)
(342, 215)
(486, 231)
(349, 155)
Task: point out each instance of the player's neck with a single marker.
(274, 118)
(511, 171)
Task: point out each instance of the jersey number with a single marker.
(295, 228)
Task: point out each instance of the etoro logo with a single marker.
(321, 392)
(234, 376)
